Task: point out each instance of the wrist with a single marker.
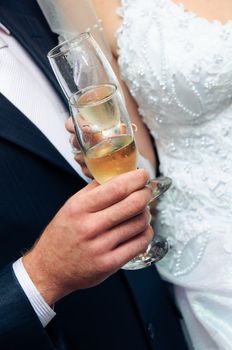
(41, 278)
(44, 312)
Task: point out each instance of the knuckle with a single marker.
(88, 227)
(115, 262)
(145, 219)
(141, 222)
(143, 244)
(143, 175)
(78, 158)
(72, 208)
(86, 172)
(148, 194)
(81, 220)
(145, 238)
(107, 263)
(98, 249)
(75, 143)
(84, 230)
(149, 234)
(117, 189)
(139, 201)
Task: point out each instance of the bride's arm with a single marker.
(106, 10)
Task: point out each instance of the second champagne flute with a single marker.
(106, 138)
(78, 63)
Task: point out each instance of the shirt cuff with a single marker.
(41, 308)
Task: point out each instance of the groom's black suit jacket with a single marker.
(131, 310)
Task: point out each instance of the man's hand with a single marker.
(95, 233)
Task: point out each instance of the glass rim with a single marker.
(55, 51)
(73, 101)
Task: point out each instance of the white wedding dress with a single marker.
(178, 68)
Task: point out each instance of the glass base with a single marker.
(158, 247)
(156, 250)
(159, 185)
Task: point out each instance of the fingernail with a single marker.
(150, 217)
(76, 151)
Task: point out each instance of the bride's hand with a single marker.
(76, 148)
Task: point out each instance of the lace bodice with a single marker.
(178, 68)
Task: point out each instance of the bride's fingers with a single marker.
(81, 161)
(123, 128)
(78, 156)
(74, 144)
(69, 125)
(72, 138)
(86, 172)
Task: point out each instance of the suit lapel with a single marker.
(17, 128)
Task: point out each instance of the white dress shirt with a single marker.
(20, 77)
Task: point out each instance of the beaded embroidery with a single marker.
(178, 67)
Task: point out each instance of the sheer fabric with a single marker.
(68, 18)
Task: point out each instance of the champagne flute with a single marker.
(79, 63)
(105, 135)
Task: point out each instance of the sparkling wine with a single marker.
(98, 108)
(111, 157)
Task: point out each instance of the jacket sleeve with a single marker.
(20, 327)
